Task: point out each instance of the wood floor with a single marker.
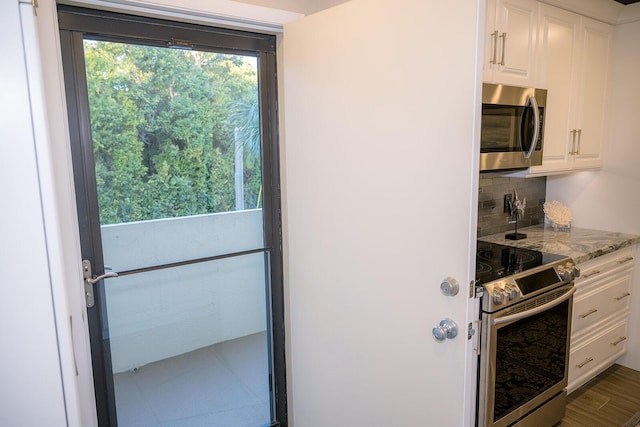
(609, 400)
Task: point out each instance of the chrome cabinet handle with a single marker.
(593, 273)
(623, 296)
(573, 142)
(579, 139)
(504, 46)
(589, 313)
(494, 40)
(619, 340)
(627, 259)
(587, 360)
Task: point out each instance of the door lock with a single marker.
(449, 287)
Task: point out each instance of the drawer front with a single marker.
(602, 349)
(595, 269)
(602, 302)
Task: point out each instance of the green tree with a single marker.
(117, 150)
(163, 124)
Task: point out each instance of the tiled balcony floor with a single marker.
(224, 385)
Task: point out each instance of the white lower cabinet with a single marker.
(600, 315)
(596, 353)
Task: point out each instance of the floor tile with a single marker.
(133, 409)
(222, 385)
(248, 359)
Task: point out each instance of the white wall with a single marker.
(31, 388)
(609, 199)
(305, 7)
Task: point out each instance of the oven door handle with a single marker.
(534, 311)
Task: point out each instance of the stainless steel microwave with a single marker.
(512, 127)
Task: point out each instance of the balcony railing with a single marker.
(160, 314)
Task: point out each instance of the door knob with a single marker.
(446, 329)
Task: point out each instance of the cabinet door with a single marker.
(594, 69)
(557, 72)
(517, 25)
(491, 42)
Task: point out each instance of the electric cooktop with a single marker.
(495, 261)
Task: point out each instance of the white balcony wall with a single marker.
(168, 312)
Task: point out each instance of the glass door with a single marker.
(172, 138)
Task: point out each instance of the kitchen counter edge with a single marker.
(581, 244)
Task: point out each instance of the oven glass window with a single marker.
(530, 358)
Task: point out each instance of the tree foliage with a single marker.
(163, 123)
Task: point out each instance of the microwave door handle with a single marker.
(531, 102)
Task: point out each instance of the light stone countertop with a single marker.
(581, 244)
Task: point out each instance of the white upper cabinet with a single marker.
(592, 97)
(510, 42)
(557, 72)
(573, 63)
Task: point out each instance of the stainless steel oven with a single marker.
(525, 327)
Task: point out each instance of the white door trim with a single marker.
(222, 13)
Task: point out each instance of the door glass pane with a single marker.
(175, 136)
(176, 144)
(189, 345)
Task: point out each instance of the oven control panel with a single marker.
(501, 293)
(523, 285)
(567, 271)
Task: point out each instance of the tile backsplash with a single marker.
(493, 187)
